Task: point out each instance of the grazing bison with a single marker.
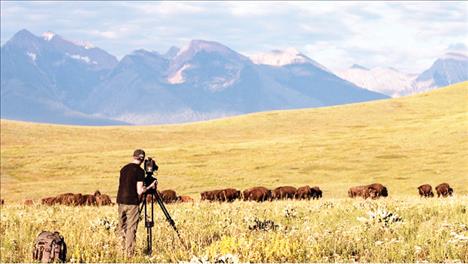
(362, 191)
(228, 195)
(48, 201)
(2, 202)
(284, 192)
(444, 190)
(304, 192)
(425, 190)
(210, 195)
(28, 202)
(66, 199)
(380, 190)
(103, 199)
(316, 192)
(185, 199)
(258, 194)
(169, 196)
(88, 199)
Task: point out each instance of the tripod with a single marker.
(149, 221)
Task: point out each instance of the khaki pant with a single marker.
(128, 222)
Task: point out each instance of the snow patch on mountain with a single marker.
(281, 58)
(85, 59)
(48, 35)
(177, 77)
(388, 81)
(32, 55)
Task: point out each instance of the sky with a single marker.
(408, 36)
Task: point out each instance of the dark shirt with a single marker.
(130, 174)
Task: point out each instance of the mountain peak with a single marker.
(454, 56)
(284, 57)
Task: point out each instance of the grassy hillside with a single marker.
(401, 143)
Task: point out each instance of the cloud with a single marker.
(404, 35)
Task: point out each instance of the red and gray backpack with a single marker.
(49, 247)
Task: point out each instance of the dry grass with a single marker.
(401, 143)
(328, 230)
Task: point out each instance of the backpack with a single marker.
(49, 247)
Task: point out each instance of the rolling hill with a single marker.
(402, 143)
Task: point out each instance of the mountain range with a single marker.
(449, 69)
(50, 79)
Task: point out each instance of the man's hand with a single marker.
(153, 184)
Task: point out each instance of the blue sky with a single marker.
(408, 36)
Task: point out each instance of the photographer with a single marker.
(130, 187)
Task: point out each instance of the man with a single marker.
(130, 187)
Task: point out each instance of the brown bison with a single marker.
(284, 192)
(444, 190)
(304, 192)
(228, 195)
(258, 194)
(362, 191)
(88, 199)
(316, 192)
(210, 195)
(380, 190)
(425, 190)
(185, 199)
(103, 199)
(66, 199)
(48, 201)
(2, 202)
(28, 202)
(169, 196)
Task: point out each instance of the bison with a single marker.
(103, 199)
(28, 202)
(48, 201)
(284, 192)
(362, 191)
(444, 190)
(185, 199)
(210, 195)
(88, 199)
(66, 199)
(2, 202)
(316, 192)
(228, 195)
(425, 190)
(304, 192)
(258, 194)
(168, 196)
(380, 190)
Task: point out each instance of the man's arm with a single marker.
(141, 188)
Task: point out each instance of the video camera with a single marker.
(150, 168)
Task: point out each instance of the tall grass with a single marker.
(328, 230)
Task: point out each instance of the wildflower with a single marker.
(228, 258)
(290, 212)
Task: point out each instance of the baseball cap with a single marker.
(139, 153)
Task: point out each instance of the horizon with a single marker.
(336, 35)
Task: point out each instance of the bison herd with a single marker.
(75, 199)
(261, 194)
(258, 194)
(442, 189)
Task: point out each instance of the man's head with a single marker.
(139, 156)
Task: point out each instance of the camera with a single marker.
(150, 168)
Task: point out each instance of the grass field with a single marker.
(401, 143)
(328, 230)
